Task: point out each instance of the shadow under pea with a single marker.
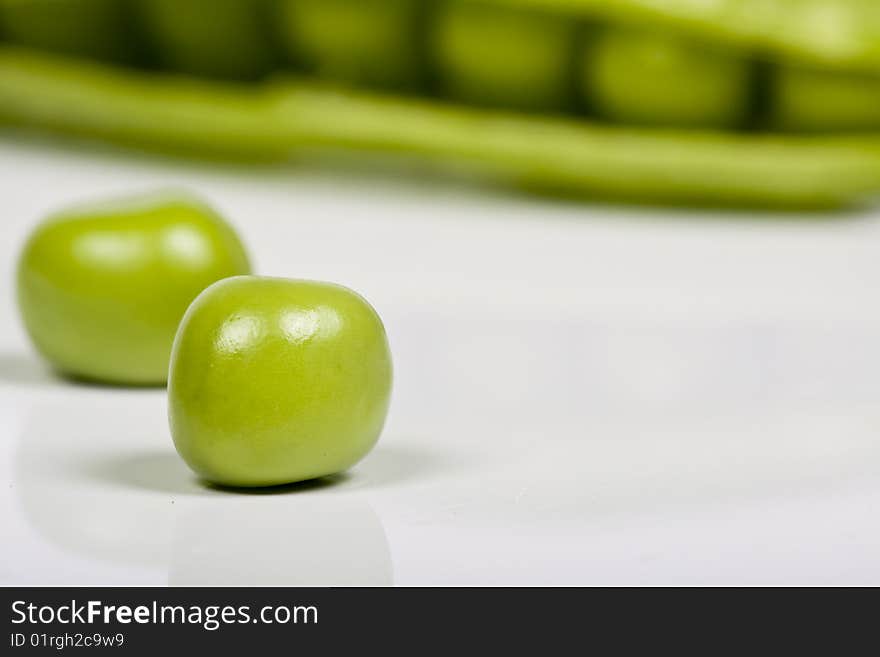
(108, 485)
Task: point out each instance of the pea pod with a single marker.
(730, 101)
(838, 34)
(559, 155)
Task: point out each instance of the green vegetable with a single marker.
(487, 54)
(818, 100)
(214, 38)
(91, 28)
(275, 381)
(102, 288)
(573, 157)
(370, 42)
(652, 78)
(838, 34)
(643, 84)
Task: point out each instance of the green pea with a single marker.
(370, 42)
(90, 28)
(214, 38)
(643, 77)
(815, 100)
(504, 56)
(274, 381)
(102, 288)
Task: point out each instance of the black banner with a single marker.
(371, 621)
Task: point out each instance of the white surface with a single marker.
(584, 395)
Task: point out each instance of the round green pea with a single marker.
(102, 288)
(275, 381)
(370, 42)
(215, 38)
(817, 100)
(650, 78)
(90, 28)
(512, 57)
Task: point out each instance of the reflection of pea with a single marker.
(643, 77)
(371, 42)
(217, 38)
(295, 538)
(102, 288)
(489, 54)
(86, 484)
(816, 100)
(90, 28)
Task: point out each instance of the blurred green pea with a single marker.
(369, 42)
(99, 29)
(815, 100)
(101, 289)
(650, 78)
(489, 54)
(214, 38)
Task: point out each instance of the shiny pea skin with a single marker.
(651, 78)
(816, 100)
(489, 54)
(102, 288)
(275, 381)
(367, 42)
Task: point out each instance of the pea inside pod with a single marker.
(657, 78)
(214, 38)
(503, 56)
(99, 29)
(102, 288)
(808, 99)
(365, 42)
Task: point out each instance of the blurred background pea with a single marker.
(364, 42)
(647, 77)
(102, 287)
(489, 54)
(99, 29)
(214, 38)
(816, 100)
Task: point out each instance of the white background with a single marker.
(585, 394)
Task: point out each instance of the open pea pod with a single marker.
(758, 102)
(785, 65)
